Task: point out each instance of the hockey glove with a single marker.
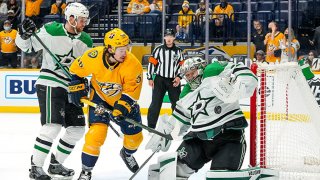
(78, 88)
(26, 28)
(117, 116)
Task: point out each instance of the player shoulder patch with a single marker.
(93, 54)
(139, 78)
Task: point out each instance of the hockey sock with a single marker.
(68, 141)
(43, 143)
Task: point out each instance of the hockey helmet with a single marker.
(169, 32)
(116, 38)
(77, 10)
(195, 64)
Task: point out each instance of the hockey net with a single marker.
(284, 123)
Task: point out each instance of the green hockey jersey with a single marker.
(202, 111)
(65, 46)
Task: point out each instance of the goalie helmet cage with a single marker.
(284, 122)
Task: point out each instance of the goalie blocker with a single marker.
(167, 167)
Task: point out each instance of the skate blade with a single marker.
(59, 177)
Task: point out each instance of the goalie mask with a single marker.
(192, 71)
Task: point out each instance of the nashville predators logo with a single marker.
(7, 40)
(93, 54)
(139, 79)
(111, 36)
(110, 89)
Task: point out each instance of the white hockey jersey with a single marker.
(200, 111)
(65, 46)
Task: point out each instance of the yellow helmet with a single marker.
(116, 38)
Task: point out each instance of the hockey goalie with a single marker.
(210, 122)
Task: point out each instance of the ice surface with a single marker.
(17, 135)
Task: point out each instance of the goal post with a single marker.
(284, 122)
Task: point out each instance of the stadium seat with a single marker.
(254, 6)
(51, 17)
(237, 6)
(128, 27)
(266, 6)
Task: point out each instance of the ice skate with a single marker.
(57, 170)
(85, 175)
(129, 161)
(37, 173)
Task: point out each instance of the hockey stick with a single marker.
(55, 58)
(145, 162)
(67, 73)
(167, 136)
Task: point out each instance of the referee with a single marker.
(165, 63)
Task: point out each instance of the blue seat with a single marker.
(193, 7)
(128, 28)
(254, 6)
(266, 6)
(264, 16)
(51, 17)
(237, 6)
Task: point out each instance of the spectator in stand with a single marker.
(13, 19)
(33, 11)
(311, 55)
(13, 5)
(200, 15)
(32, 58)
(316, 40)
(3, 8)
(284, 46)
(201, 12)
(258, 36)
(272, 42)
(156, 7)
(221, 15)
(138, 7)
(58, 7)
(8, 45)
(260, 57)
(184, 21)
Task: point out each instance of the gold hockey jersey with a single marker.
(110, 82)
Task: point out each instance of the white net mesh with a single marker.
(288, 130)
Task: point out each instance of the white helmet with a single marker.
(193, 63)
(76, 10)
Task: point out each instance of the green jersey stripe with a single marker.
(53, 79)
(41, 149)
(63, 150)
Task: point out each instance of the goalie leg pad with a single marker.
(250, 173)
(132, 142)
(184, 171)
(95, 138)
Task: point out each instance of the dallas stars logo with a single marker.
(65, 60)
(199, 106)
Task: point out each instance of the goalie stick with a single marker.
(145, 162)
(167, 136)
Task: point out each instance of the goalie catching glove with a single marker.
(165, 125)
(78, 88)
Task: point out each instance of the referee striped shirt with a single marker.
(165, 62)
